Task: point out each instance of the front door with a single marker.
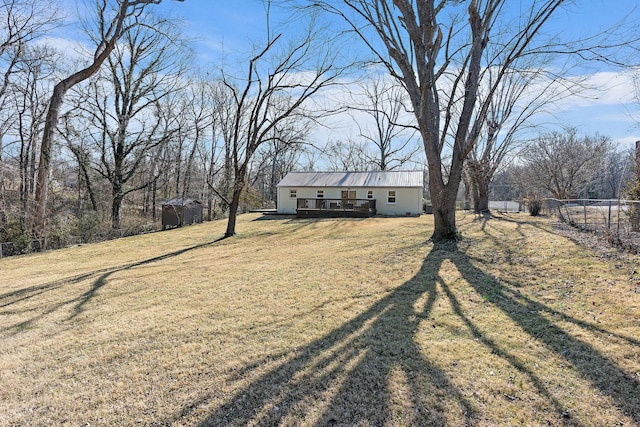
(348, 194)
(348, 199)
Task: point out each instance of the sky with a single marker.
(224, 30)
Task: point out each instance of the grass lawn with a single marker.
(323, 323)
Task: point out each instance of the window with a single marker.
(320, 194)
(369, 194)
(293, 194)
(391, 197)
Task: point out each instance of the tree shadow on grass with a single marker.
(534, 318)
(343, 378)
(505, 248)
(78, 303)
(371, 370)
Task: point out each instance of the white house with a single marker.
(351, 193)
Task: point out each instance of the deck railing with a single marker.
(337, 205)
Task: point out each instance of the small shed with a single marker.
(177, 212)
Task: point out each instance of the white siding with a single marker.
(408, 200)
(286, 205)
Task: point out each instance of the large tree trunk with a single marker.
(443, 199)
(116, 203)
(480, 181)
(482, 202)
(103, 50)
(42, 178)
(233, 208)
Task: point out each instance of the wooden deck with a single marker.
(335, 208)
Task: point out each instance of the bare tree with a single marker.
(616, 175)
(563, 163)
(23, 22)
(437, 50)
(271, 96)
(393, 140)
(346, 155)
(114, 18)
(633, 192)
(427, 55)
(279, 156)
(200, 119)
(219, 159)
(143, 68)
(210, 101)
(31, 86)
(525, 91)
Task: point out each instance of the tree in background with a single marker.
(563, 164)
(616, 175)
(23, 74)
(32, 85)
(124, 106)
(391, 138)
(343, 156)
(270, 98)
(279, 156)
(634, 192)
(436, 50)
(526, 90)
(113, 19)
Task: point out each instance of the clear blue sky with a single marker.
(234, 26)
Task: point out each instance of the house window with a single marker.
(320, 194)
(369, 194)
(293, 194)
(391, 197)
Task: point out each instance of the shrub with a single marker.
(89, 227)
(534, 205)
(19, 240)
(59, 232)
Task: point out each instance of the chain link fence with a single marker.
(26, 245)
(22, 246)
(617, 220)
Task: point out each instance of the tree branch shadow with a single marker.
(506, 249)
(529, 315)
(79, 302)
(344, 378)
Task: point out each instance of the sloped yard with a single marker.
(323, 323)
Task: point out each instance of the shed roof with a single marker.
(353, 179)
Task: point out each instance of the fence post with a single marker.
(609, 217)
(584, 203)
(1, 249)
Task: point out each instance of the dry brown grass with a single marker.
(322, 322)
